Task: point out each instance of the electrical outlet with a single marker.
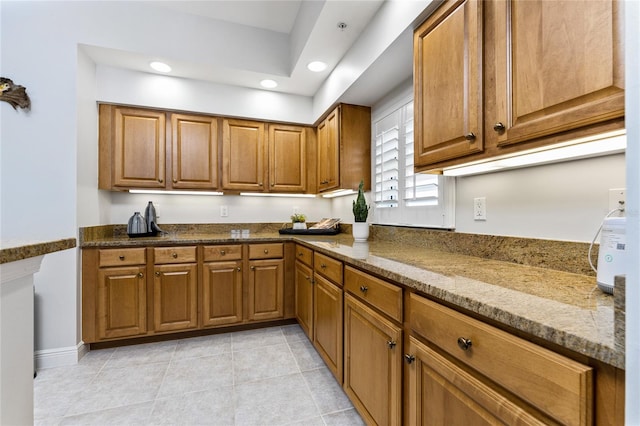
(224, 211)
(480, 208)
(617, 198)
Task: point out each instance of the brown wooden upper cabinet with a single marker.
(498, 77)
(140, 148)
(263, 157)
(344, 148)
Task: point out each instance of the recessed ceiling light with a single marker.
(268, 84)
(160, 66)
(317, 66)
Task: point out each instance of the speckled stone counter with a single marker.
(14, 250)
(563, 308)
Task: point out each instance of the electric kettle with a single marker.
(137, 226)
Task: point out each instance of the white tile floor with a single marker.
(270, 376)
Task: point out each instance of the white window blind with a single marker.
(402, 196)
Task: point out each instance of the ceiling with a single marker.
(302, 31)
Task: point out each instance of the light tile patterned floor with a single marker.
(271, 376)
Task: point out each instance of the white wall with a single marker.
(562, 201)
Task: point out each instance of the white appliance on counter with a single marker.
(612, 258)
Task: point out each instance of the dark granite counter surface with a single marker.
(563, 308)
(14, 250)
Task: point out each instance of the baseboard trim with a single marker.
(60, 357)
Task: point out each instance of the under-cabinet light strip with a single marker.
(604, 144)
(152, 191)
(272, 194)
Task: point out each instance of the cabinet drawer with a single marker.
(174, 254)
(266, 251)
(217, 253)
(328, 267)
(304, 255)
(380, 294)
(556, 385)
(121, 257)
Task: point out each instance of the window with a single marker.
(402, 197)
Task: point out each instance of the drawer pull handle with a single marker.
(175, 181)
(499, 127)
(174, 255)
(140, 275)
(391, 344)
(160, 180)
(239, 269)
(464, 343)
(301, 254)
(253, 268)
(308, 278)
(323, 266)
(409, 358)
(364, 288)
(470, 136)
(121, 257)
(222, 253)
(266, 251)
(157, 273)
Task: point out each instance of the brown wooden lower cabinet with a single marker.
(121, 302)
(373, 363)
(327, 324)
(266, 289)
(304, 283)
(222, 293)
(175, 289)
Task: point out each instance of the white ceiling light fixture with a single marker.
(316, 66)
(160, 66)
(268, 84)
(603, 144)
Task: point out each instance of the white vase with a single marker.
(360, 231)
(299, 225)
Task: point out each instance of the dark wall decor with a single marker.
(14, 94)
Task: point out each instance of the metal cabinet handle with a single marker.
(174, 255)
(409, 358)
(391, 344)
(470, 136)
(273, 184)
(239, 269)
(175, 181)
(260, 184)
(266, 251)
(140, 275)
(324, 182)
(253, 268)
(464, 343)
(121, 257)
(222, 252)
(301, 254)
(323, 266)
(308, 278)
(499, 127)
(157, 273)
(160, 180)
(364, 288)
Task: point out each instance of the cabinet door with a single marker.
(448, 83)
(222, 293)
(304, 298)
(441, 393)
(287, 158)
(327, 324)
(194, 152)
(266, 289)
(373, 363)
(175, 296)
(329, 152)
(139, 148)
(244, 151)
(560, 66)
(122, 302)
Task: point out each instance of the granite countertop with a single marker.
(563, 308)
(14, 250)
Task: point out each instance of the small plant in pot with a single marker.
(360, 213)
(299, 221)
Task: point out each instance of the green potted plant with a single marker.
(299, 221)
(360, 214)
